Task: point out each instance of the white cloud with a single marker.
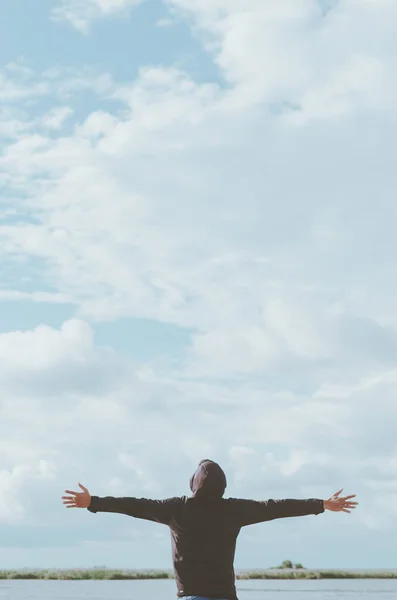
(21, 86)
(144, 481)
(40, 297)
(13, 91)
(56, 117)
(305, 62)
(244, 463)
(164, 23)
(14, 501)
(44, 357)
(120, 439)
(81, 13)
(142, 255)
(102, 262)
(363, 79)
(45, 347)
(149, 229)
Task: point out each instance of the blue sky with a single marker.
(197, 259)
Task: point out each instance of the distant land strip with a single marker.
(119, 574)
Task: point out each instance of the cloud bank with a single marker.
(254, 212)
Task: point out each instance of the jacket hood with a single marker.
(208, 481)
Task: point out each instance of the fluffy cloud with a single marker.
(308, 59)
(161, 250)
(20, 85)
(45, 356)
(13, 487)
(80, 13)
(119, 439)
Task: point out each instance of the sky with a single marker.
(197, 260)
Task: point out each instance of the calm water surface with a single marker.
(370, 589)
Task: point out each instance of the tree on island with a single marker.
(287, 564)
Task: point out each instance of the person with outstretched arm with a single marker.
(205, 526)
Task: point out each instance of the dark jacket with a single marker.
(204, 528)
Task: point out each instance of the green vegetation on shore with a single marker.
(316, 574)
(287, 564)
(80, 574)
(117, 574)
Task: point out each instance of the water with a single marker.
(342, 589)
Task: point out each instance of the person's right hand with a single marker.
(337, 504)
(77, 499)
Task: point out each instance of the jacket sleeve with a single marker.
(160, 511)
(250, 512)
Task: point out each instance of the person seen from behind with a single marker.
(204, 527)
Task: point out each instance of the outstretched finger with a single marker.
(345, 510)
(70, 492)
(348, 497)
(337, 493)
(83, 488)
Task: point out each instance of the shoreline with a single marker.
(241, 574)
